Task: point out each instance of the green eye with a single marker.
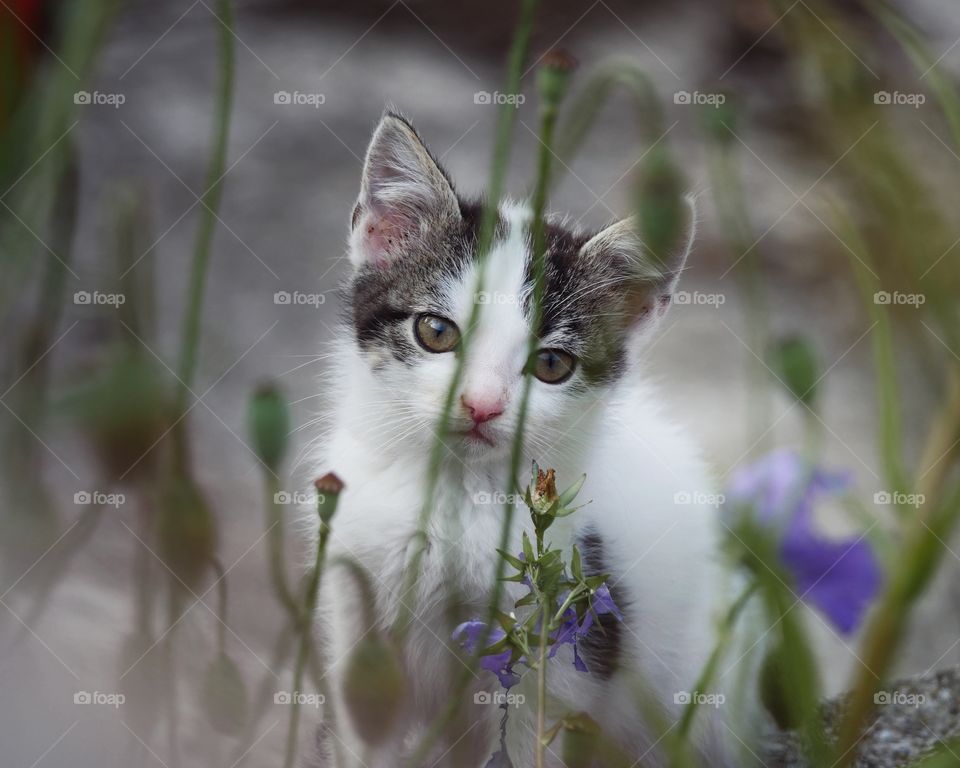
(553, 366)
(435, 333)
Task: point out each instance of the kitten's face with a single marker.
(414, 294)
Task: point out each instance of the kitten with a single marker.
(413, 249)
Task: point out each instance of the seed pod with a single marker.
(142, 681)
(721, 121)
(225, 696)
(125, 411)
(662, 210)
(269, 424)
(373, 688)
(773, 689)
(328, 488)
(553, 76)
(581, 737)
(793, 362)
(188, 531)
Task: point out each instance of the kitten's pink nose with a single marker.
(481, 408)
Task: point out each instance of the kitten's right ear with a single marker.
(403, 192)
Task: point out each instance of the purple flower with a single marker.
(838, 576)
(473, 635)
(572, 630)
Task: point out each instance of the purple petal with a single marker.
(840, 578)
(471, 635)
(577, 661)
(603, 603)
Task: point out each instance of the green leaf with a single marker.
(576, 567)
(571, 493)
(528, 548)
(516, 562)
(528, 599)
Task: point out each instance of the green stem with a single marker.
(210, 200)
(710, 669)
(542, 684)
(221, 605)
(488, 223)
(923, 551)
(275, 538)
(303, 651)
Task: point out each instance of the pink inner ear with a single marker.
(382, 237)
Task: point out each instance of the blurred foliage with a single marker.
(889, 223)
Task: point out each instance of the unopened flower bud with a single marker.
(328, 493)
(773, 689)
(662, 210)
(269, 423)
(553, 76)
(188, 532)
(225, 696)
(373, 688)
(793, 362)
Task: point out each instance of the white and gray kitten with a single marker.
(413, 249)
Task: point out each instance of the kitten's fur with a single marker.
(413, 250)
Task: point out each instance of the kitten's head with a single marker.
(413, 246)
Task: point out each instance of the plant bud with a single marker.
(142, 681)
(125, 410)
(553, 76)
(662, 210)
(581, 737)
(373, 688)
(773, 689)
(188, 531)
(328, 493)
(721, 121)
(793, 362)
(225, 696)
(269, 423)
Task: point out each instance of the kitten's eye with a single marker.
(435, 333)
(554, 366)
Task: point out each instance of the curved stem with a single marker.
(210, 201)
(710, 669)
(542, 684)
(304, 649)
(488, 224)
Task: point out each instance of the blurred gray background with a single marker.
(294, 174)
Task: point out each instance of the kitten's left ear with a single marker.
(403, 192)
(649, 278)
